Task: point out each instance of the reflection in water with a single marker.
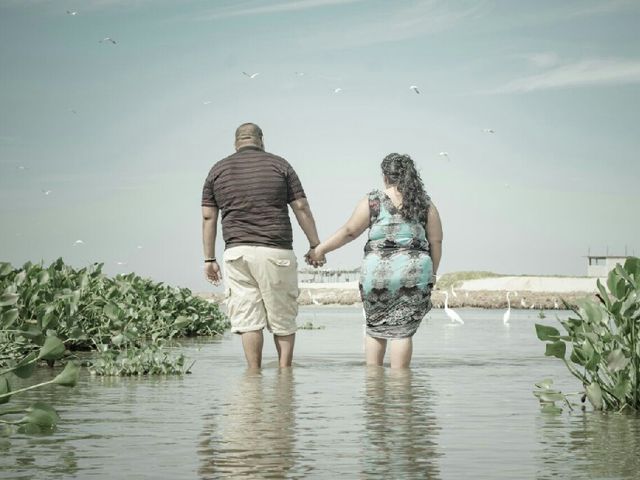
(400, 427)
(253, 435)
(597, 444)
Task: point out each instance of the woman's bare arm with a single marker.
(434, 236)
(351, 230)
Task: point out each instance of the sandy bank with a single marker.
(532, 284)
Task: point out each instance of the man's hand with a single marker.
(212, 273)
(314, 259)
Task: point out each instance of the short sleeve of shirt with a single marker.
(208, 198)
(294, 187)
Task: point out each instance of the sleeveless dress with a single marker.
(395, 278)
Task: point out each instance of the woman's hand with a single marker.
(314, 259)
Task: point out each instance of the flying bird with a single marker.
(46, 192)
(414, 88)
(207, 102)
(452, 314)
(300, 74)
(139, 247)
(507, 314)
(73, 13)
(78, 242)
(337, 90)
(108, 39)
(252, 75)
(444, 154)
(121, 263)
(488, 130)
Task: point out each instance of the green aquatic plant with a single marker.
(126, 319)
(38, 417)
(604, 337)
(310, 326)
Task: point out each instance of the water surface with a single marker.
(464, 410)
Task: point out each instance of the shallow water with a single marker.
(464, 410)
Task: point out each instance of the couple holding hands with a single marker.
(251, 191)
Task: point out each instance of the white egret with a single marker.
(523, 304)
(453, 315)
(555, 304)
(414, 88)
(507, 314)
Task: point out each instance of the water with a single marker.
(464, 410)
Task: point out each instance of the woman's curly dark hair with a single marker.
(399, 170)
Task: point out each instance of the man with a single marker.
(251, 189)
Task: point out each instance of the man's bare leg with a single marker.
(401, 351)
(374, 349)
(252, 344)
(284, 346)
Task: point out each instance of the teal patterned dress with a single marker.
(395, 278)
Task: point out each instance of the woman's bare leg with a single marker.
(401, 351)
(374, 349)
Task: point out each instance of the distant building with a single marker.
(601, 265)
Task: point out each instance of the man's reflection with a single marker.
(252, 435)
(400, 428)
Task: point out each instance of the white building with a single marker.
(601, 265)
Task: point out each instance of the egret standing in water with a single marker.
(507, 314)
(453, 315)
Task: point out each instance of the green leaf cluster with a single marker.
(604, 340)
(87, 310)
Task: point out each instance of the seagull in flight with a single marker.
(108, 39)
(73, 13)
(78, 242)
(300, 74)
(121, 263)
(46, 192)
(252, 75)
(207, 102)
(444, 154)
(414, 88)
(488, 130)
(337, 90)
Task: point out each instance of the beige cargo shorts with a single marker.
(261, 286)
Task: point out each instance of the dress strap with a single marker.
(374, 206)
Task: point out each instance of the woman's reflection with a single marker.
(253, 435)
(400, 428)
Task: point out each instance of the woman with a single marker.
(400, 262)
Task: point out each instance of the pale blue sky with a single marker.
(123, 135)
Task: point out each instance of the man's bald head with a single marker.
(249, 135)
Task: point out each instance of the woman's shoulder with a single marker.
(375, 193)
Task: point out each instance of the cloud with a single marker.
(543, 59)
(587, 72)
(254, 9)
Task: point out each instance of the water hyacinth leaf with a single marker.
(43, 277)
(622, 388)
(578, 356)
(8, 317)
(594, 362)
(182, 321)
(112, 311)
(41, 415)
(32, 333)
(24, 368)
(616, 361)
(556, 349)
(594, 394)
(117, 339)
(545, 332)
(53, 349)
(603, 293)
(544, 383)
(69, 376)
(5, 387)
(5, 269)
(7, 299)
(551, 408)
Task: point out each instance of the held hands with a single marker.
(212, 273)
(313, 259)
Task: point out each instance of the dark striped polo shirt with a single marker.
(253, 189)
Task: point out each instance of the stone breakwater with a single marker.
(490, 299)
(476, 299)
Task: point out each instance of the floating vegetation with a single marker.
(127, 319)
(605, 340)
